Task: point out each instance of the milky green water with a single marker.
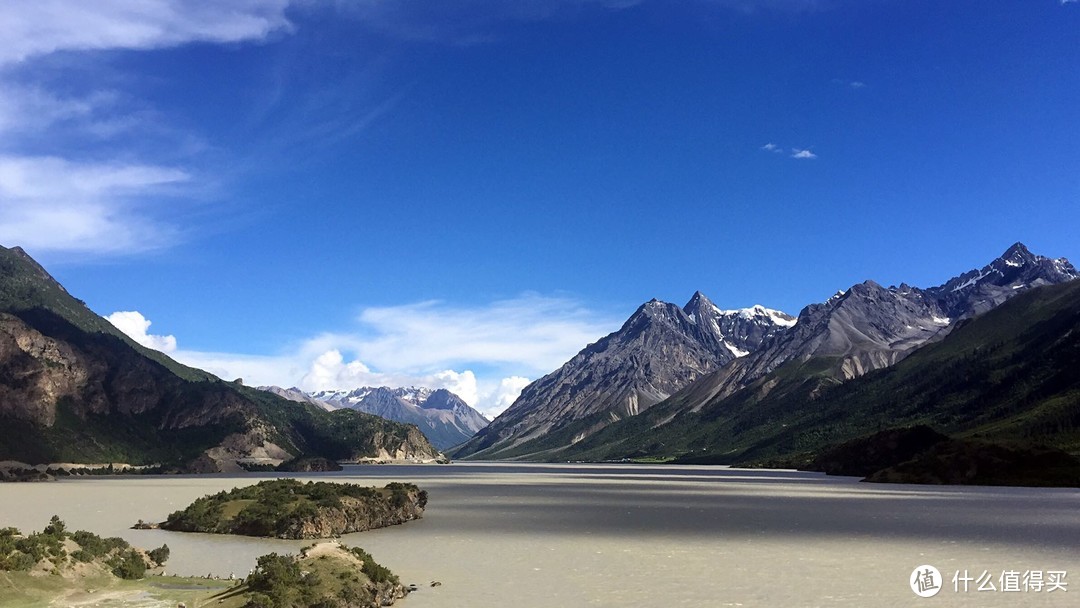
(609, 535)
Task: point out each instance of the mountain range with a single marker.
(75, 389)
(990, 353)
(579, 412)
(443, 417)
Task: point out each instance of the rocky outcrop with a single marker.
(355, 515)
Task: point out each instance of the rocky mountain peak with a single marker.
(698, 305)
(1018, 253)
(1017, 269)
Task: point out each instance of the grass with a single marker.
(23, 590)
(231, 509)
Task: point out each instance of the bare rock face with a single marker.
(37, 371)
(659, 350)
(355, 515)
(870, 327)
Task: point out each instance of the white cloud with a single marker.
(805, 154)
(771, 147)
(485, 354)
(49, 203)
(136, 326)
(463, 384)
(47, 26)
(508, 391)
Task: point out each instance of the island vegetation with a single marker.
(55, 550)
(289, 508)
(324, 575)
(57, 567)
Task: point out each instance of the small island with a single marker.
(291, 509)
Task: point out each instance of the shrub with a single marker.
(160, 555)
(128, 565)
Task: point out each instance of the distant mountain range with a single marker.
(73, 388)
(443, 417)
(663, 353)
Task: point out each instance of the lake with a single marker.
(537, 535)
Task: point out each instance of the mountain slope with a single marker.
(1008, 374)
(443, 417)
(660, 349)
(73, 388)
(865, 328)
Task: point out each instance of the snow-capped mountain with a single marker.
(660, 349)
(703, 353)
(444, 418)
(869, 327)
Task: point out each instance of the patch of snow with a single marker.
(738, 352)
(971, 282)
(757, 311)
(942, 320)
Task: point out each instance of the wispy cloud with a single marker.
(101, 201)
(803, 154)
(851, 84)
(462, 22)
(771, 147)
(48, 26)
(532, 330)
(50, 204)
(485, 353)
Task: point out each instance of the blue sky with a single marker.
(340, 193)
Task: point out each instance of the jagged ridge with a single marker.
(660, 349)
